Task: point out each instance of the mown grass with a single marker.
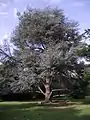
(34, 111)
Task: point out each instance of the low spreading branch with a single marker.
(41, 90)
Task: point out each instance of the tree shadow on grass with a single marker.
(85, 101)
(37, 112)
(6, 106)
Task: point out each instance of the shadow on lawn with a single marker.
(36, 112)
(85, 101)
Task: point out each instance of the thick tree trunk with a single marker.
(47, 92)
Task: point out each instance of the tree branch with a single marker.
(38, 91)
(42, 44)
(41, 90)
(60, 90)
(50, 94)
(6, 55)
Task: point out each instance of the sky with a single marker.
(78, 10)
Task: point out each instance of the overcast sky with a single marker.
(78, 10)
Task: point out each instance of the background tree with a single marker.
(84, 50)
(7, 68)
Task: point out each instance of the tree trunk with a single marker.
(47, 92)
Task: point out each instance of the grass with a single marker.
(34, 111)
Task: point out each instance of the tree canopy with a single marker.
(47, 43)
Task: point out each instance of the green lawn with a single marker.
(33, 111)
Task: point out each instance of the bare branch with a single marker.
(41, 90)
(60, 89)
(50, 94)
(38, 91)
